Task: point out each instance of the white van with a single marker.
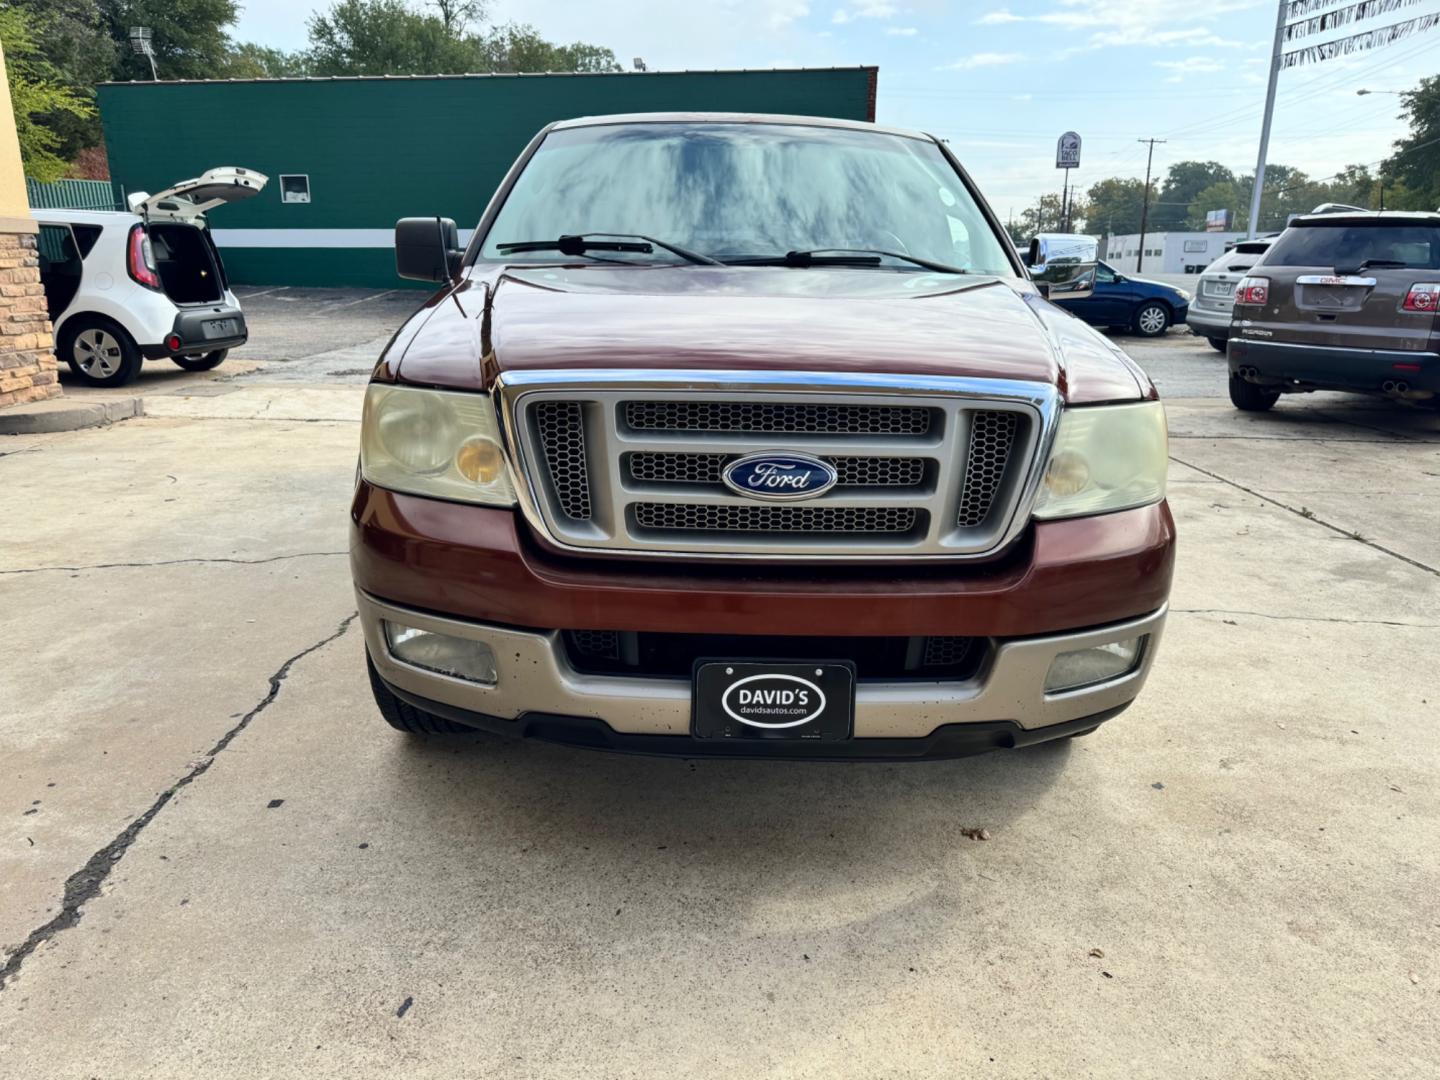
(122, 288)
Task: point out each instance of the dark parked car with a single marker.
(1126, 302)
(1341, 301)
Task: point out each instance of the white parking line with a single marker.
(352, 303)
(262, 292)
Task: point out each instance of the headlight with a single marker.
(1105, 457)
(1185, 295)
(430, 442)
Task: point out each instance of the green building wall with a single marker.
(378, 149)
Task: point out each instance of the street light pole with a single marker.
(1145, 206)
(1269, 113)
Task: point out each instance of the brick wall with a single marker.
(27, 358)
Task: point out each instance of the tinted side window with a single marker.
(85, 237)
(1341, 246)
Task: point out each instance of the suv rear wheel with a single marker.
(1153, 319)
(1248, 397)
(98, 351)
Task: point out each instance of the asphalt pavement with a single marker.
(216, 860)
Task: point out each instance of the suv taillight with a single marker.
(1423, 296)
(138, 259)
(1253, 290)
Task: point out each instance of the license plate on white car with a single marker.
(219, 328)
(1219, 288)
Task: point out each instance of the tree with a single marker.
(73, 38)
(385, 37)
(250, 61)
(1185, 180)
(521, 48)
(36, 91)
(1413, 171)
(1115, 205)
(190, 39)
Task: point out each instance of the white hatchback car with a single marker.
(122, 288)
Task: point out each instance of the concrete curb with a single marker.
(61, 414)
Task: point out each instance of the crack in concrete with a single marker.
(177, 562)
(1306, 618)
(1306, 515)
(84, 885)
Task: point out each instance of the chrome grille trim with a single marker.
(614, 530)
(661, 467)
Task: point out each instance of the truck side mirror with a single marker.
(1063, 265)
(427, 248)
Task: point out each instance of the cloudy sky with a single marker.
(1001, 80)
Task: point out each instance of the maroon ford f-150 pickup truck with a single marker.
(754, 435)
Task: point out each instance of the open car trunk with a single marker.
(187, 262)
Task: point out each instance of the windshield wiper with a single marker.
(843, 257)
(581, 244)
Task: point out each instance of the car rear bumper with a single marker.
(537, 691)
(1215, 324)
(190, 327)
(1314, 367)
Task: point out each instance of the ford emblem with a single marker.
(779, 476)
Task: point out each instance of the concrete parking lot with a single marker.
(216, 860)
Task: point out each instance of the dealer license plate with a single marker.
(735, 699)
(219, 328)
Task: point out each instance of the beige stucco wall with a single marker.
(14, 208)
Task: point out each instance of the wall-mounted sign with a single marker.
(1067, 151)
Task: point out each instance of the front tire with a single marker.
(1247, 397)
(402, 716)
(99, 351)
(202, 363)
(1152, 320)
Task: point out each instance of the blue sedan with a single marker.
(1132, 303)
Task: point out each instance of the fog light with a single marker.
(1086, 667)
(460, 657)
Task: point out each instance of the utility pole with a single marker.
(1145, 206)
(1275, 51)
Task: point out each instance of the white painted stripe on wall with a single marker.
(312, 238)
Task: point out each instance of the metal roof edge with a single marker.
(486, 75)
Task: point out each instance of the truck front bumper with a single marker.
(536, 692)
(469, 572)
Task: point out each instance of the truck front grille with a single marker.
(634, 471)
(776, 418)
(702, 518)
(662, 468)
(671, 656)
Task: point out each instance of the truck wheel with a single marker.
(1248, 397)
(1217, 343)
(202, 363)
(98, 351)
(403, 716)
(1152, 320)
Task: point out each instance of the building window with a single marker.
(294, 189)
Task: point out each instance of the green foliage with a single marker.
(387, 37)
(250, 61)
(1185, 179)
(1115, 205)
(190, 41)
(37, 91)
(1413, 171)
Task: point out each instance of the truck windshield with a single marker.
(747, 191)
(1342, 245)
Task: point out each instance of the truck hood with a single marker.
(761, 318)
